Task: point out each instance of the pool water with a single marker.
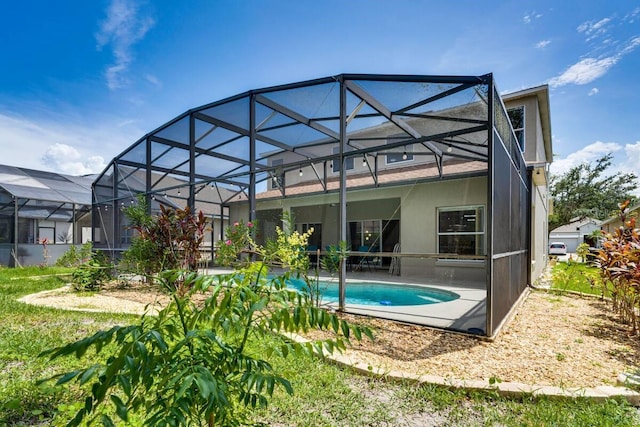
(380, 294)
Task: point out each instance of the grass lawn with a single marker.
(577, 277)
(325, 395)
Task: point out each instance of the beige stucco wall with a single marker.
(534, 144)
(415, 205)
(539, 231)
(535, 153)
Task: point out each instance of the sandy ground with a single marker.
(568, 341)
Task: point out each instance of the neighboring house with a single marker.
(56, 208)
(38, 206)
(579, 230)
(435, 180)
(609, 225)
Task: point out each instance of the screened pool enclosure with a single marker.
(38, 207)
(422, 176)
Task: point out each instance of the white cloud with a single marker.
(530, 17)
(66, 159)
(585, 71)
(121, 29)
(631, 158)
(589, 69)
(542, 44)
(585, 155)
(594, 29)
(633, 43)
(593, 91)
(625, 159)
(153, 80)
(631, 17)
(63, 146)
(631, 161)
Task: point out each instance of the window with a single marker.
(400, 154)
(277, 177)
(461, 230)
(516, 116)
(126, 235)
(47, 233)
(336, 162)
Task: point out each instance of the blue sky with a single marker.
(80, 80)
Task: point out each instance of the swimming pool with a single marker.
(380, 294)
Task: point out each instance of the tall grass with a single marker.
(324, 394)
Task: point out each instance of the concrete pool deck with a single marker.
(464, 314)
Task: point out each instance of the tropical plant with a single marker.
(190, 364)
(582, 251)
(92, 274)
(73, 257)
(45, 251)
(64, 237)
(619, 263)
(239, 246)
(171, 240)
(289, 251)
(336, 254)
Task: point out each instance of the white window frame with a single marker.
(335, 164)
(409, 152)
(483, 249)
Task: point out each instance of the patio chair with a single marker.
(364, 259)
(394, 268)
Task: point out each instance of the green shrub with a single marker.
(191, 364)
(74, 257)
(91, 275)
(170, 240)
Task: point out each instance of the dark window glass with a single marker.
(516, 117)
(461, 231)
(465, 244)
(336, 162)
(460, 221)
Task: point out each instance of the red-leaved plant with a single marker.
(619, 263)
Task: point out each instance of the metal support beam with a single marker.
(15, 231)
(490, 184)
(245, 132)
(343, 192)
(377, 105)
(148, 178)
(198, 150)
(191, 201)
(115, 211)
(374, 175)
(320, 180)
(252, 158)
(73, 224)
(437, 97)
(296, 116)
